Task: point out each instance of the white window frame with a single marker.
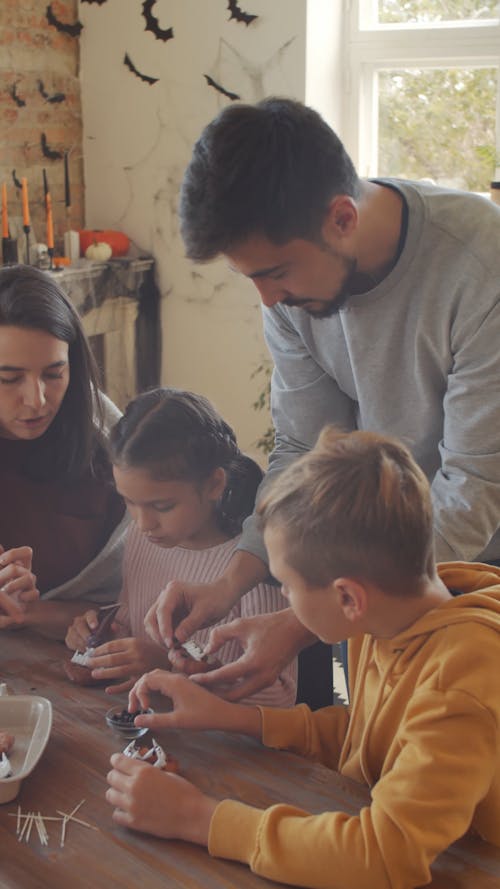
(370, 47)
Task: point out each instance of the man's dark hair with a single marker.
(269, 169)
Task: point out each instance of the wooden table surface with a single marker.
(74, 767)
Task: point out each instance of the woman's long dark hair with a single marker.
(178, 435)
(32, 299)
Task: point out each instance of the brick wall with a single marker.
(36, 57)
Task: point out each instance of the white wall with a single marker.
(137, 141)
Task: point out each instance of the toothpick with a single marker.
(63, 831)
(44, 830)
(38, 827)
(45, 817)
(75, 810)
(77, 820)
(28, 832)
(26, 822)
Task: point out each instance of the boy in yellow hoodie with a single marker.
(348, 528)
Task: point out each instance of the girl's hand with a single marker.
(126, 659)
(192, 707)
(156, 802)
(80, 630)
(17, 585)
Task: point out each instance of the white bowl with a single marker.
(29, 719)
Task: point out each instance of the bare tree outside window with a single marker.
(423, 11)
(438, 124)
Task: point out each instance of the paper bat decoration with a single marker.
(238, 14)
(152, 23)
(130, 65)
(17, 99)
(49, 152)
(16, 180)
(100, 2)
(71, 30)
(56, 97)
(220, 89)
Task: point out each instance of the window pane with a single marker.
(438, 124)
(424, 11)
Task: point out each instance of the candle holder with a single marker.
(50, 251)
(9, 251)
(26, 230)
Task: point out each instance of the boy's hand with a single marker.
(156, 802)
(126, 659)
(17, 585)
(80, 630)
(192, 707)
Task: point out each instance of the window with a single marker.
(424, 87)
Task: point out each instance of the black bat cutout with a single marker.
(152, 23)
(220, 89)
(17, 99)
(71, 30)
(100, 2)
(130, 65)
(238, 14)
(56, 97)
(16, 180)
(49, 152)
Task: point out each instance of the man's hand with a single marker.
(269, 641)
(156, 802)
(192, 707)
(126, 659)
(183, 608)
(17, 585)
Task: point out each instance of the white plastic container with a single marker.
(29, 719)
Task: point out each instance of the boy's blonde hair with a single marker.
(357, 505)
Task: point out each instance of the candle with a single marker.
(5, 218)
(50, 224)
(67, 198)
(24, 197)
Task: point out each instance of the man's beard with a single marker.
(331, 306)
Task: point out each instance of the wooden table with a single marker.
(74, 767)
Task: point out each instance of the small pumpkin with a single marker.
(99, 251)
(118, 241)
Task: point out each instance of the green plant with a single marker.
(263, 403)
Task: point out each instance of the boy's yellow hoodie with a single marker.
(422, 731)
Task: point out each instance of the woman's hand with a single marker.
(126, 659)
(269, 643)
(17, 585)
(191, 706)
(156, 802)
(80, 630)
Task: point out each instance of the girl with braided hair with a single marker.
(188, 489)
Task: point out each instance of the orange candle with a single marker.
(5, 217)
(50, 224)
(24, 197)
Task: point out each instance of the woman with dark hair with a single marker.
(58, 496)
(188, 489)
